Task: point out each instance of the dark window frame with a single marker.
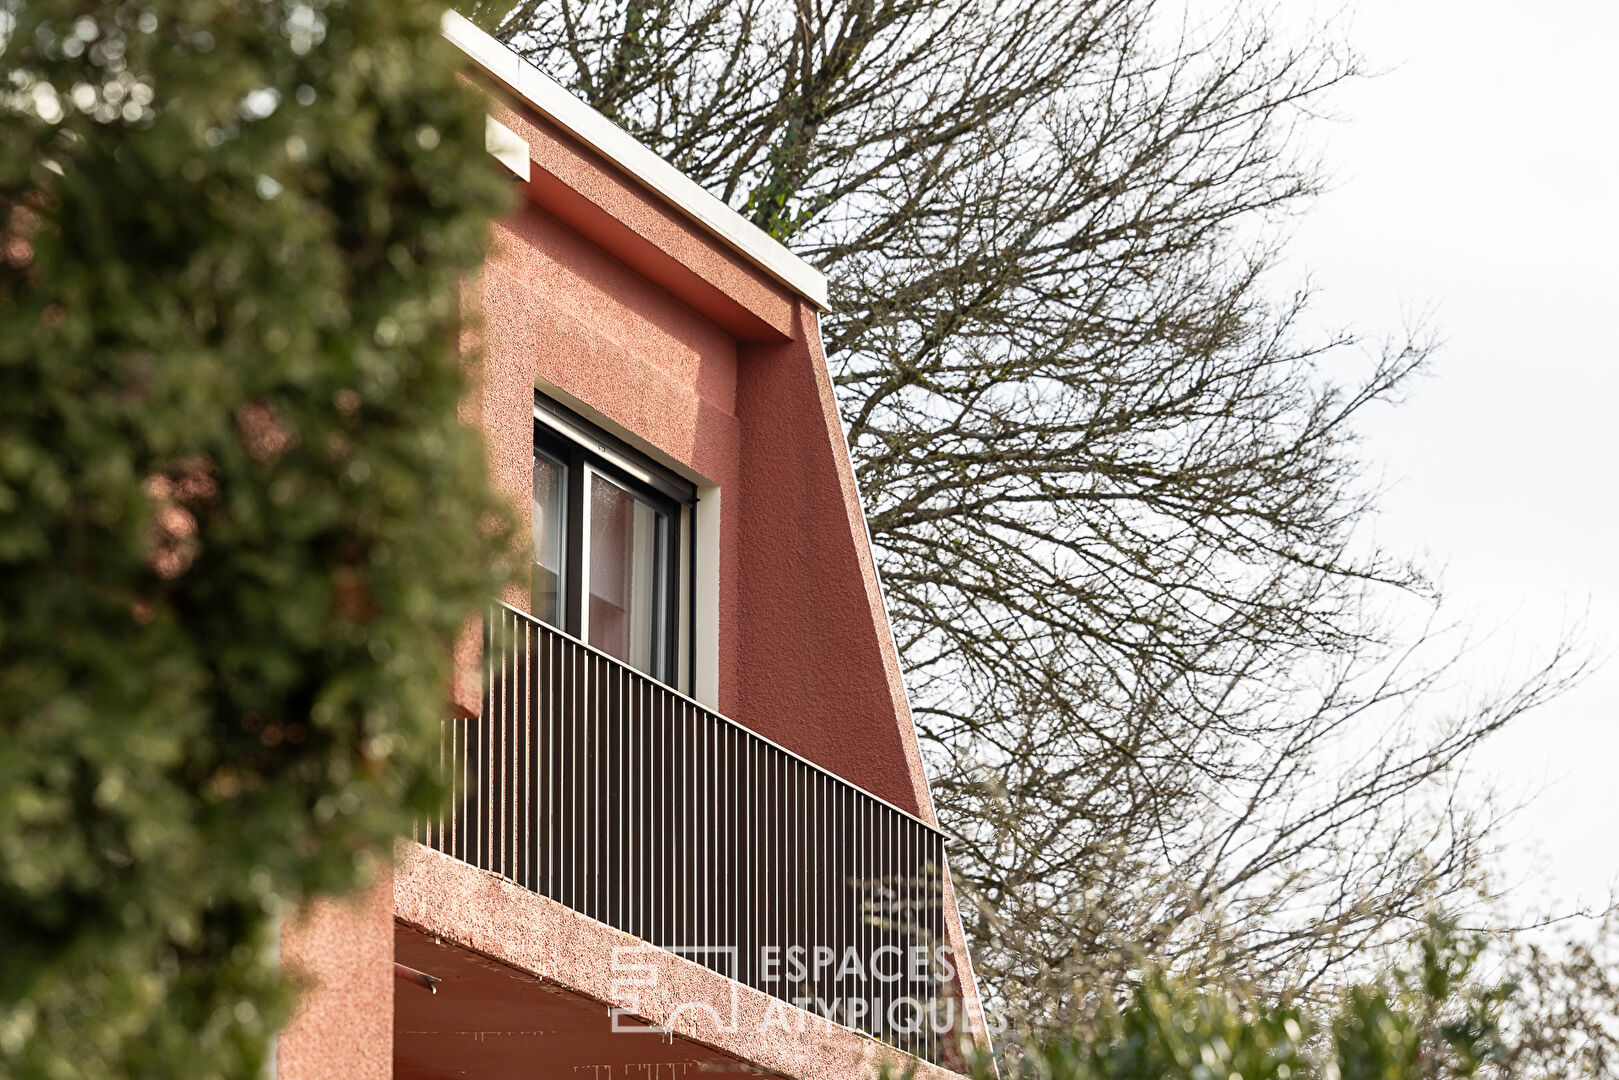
(585, 449)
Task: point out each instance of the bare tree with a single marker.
(1565, 1019)
(1114, 494)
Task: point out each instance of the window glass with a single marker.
(628, 539)
(550, 537)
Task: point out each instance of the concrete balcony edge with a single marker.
(496, 918)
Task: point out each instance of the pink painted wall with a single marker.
(343, 952)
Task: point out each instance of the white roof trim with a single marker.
(619, 147)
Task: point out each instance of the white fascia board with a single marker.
(618, 146)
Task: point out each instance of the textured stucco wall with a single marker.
(344, 1023)
(820, 675)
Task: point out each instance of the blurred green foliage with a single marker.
(1436, 1021)
(240, 525)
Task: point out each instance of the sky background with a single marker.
(1476, 183)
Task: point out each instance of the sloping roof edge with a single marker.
(618, 146)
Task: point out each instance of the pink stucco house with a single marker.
(689, 828)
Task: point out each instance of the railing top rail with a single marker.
(520, 613)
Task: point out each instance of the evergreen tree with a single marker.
(240, 523)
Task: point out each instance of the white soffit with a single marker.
(619, 147)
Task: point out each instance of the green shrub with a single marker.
(1435, 1022)
(240, 524)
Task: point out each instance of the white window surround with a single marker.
(698, 625)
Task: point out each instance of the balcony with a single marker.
(589, 783)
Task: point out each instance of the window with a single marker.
(610, 530)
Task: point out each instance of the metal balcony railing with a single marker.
(590, 783)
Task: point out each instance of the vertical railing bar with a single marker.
(901, 872)
(526, 815)
(555, 766)
(677, 932)
(455, 788)
(700, 804)
(503, 750)
(593, 775)
(508, 766)
(497, 780)
(834, 888)
(591, 750)
(519, 781)
(572, 826)
(705, 884)
(754, 842)
(885, 921)
(551, 800)
(896, 911)
(868, 902)
(669, 894)
(904, 909)
(710, 783)
(730, 860)
(710, 831)
(643, 820)
(822, 837)
(620, 804)
(912, 937)
(694, 927)
(813, 890)
(700, 821)
(711, 834)
(536, 764)
(587, 784)
(476, 790)
(498, 756)
(632, 784)
(795, 891)
(784, 931)
(912, 912)
(477, 744)
(660, 794)
(635, 802)
(802, 799)
(891, 834)
(768, 902)
(620, 763)
(504, 753)
(617, 804)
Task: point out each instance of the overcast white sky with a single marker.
(1478, 179)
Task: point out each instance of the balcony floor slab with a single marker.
(548, 976)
